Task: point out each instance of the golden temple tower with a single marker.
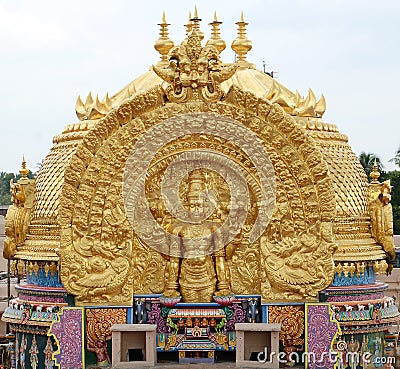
(285, 214)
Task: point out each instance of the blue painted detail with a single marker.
(369, 277)
(129, 315)
(42, 280)
(264, 310)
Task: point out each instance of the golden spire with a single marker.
(189, 24)
(23, 171)
(241, 45)
(164, 44)
(216, 39)
(195, 24)
(375, 173)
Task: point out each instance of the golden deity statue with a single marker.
(202, 272)
(382, 219)
(17, 219)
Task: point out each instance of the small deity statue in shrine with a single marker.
(201, 271)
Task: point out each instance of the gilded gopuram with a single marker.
(204, 213)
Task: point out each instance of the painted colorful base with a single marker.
(321, 331)
(196, 327)
(68, 332)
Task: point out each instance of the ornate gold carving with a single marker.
(380, 267)
(292, 320)
(98, 324)
(309, 185)
(194, 72)
(18, 215)
(242, 257)
(20, 267)
(92, 251)
(199, 279)
(92, 108)
(352, 224)
(299, 267)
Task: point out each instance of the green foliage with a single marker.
(367, 161)
(396, 158)
(5, 178)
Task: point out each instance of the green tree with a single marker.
(5, 178)
(396, 158)
(367, 161)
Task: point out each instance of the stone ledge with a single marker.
(133, 328)
(136, 336)
(258, 327)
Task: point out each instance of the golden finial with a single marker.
(241, 45)
(216, 39)
(164, 44)
(23, 171)
(189, 24)
(375, 173)
(195, 24)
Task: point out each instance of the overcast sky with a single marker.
(53, 51)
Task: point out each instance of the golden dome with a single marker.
(60, 172)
